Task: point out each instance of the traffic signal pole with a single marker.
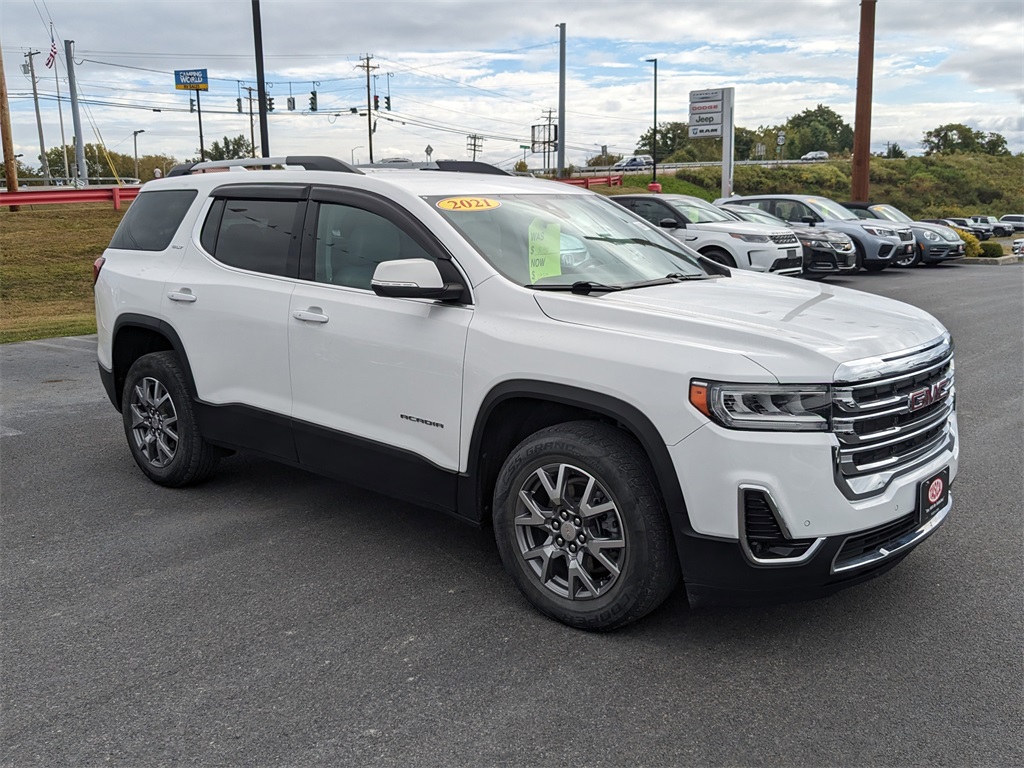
(257, 33)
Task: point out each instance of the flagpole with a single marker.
(60, 110)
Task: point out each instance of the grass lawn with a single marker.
(46, 256)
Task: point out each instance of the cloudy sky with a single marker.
(459, 67)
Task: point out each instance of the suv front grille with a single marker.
(856, 547)
(783, 239)
(906, 235)
(894, 421)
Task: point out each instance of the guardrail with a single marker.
(594, 181)
(58, 196)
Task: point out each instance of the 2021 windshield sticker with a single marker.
(468, 204)
(545, 249)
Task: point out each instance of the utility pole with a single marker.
(860, 188)
(257, 33)
(561, 99)
(135, 145)
(252, 124)
(474, 144)
(60, 114)
(76, 116)
(39, 119)
(369, 111)
(6, 137)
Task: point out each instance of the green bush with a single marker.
(991, 250)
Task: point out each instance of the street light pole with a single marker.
(352, 154)
(654, 141)
(135, 143)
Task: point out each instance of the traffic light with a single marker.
(238, 104)
(312, 101)
(191, 104)
(270, 103)
(376, 102)
(387, 103)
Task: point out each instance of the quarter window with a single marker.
(152, 220)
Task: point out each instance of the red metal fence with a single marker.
(69, 195)
(595, 181)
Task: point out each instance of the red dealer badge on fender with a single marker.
(932, 495)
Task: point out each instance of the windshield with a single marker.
(761, 217)
(697, 211)
(829, 209)
(890, 213)
(556, 241)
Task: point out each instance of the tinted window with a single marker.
(351, 242)
(152, 220)
(256, 235)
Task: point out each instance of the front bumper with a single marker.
(836, 540)
(718, 572)
(828, 261)
(932, 253)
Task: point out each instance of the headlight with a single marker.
(769, 407)
(929, 235)
(880, 231)
(750, 238)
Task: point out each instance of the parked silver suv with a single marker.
(878, 244)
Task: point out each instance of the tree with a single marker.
(819, 128)
(672, 137)
(957, 137)
(892, 150)
(230, 149)
(603, 159)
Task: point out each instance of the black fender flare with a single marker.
(642, 428)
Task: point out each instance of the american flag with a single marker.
(52, 58)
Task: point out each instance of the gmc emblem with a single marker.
(921, 398)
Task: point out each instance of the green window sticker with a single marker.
(545, 249)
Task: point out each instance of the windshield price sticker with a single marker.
(545, 250)
(468, 204)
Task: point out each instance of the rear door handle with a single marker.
(311, 315)
(184, 295)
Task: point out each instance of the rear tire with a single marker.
(581, 526)
(160, 424)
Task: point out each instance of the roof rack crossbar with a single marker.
(309, 162)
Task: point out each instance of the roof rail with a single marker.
(455, 166)
(309, 162)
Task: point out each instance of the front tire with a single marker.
(719, 256)
(909, 261)
(160, 424)
(581, 527)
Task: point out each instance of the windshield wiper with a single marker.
(582, 287)
(635, 241)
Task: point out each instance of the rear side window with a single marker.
(252, 234)
(152, 220)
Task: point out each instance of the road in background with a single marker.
(271, 617)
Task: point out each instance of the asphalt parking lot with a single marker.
(271, 617)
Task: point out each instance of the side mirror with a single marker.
(809, 220)
(413, 279)
(667, 223)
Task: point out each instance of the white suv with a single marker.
(718, 235)
(533, 357)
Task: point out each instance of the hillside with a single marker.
(922, 187)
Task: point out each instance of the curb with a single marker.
(1011, 259)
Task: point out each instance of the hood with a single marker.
(739, 227)
(940, 229)
(798, 331)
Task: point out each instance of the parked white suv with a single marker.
(719, 236)
(531, 356)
